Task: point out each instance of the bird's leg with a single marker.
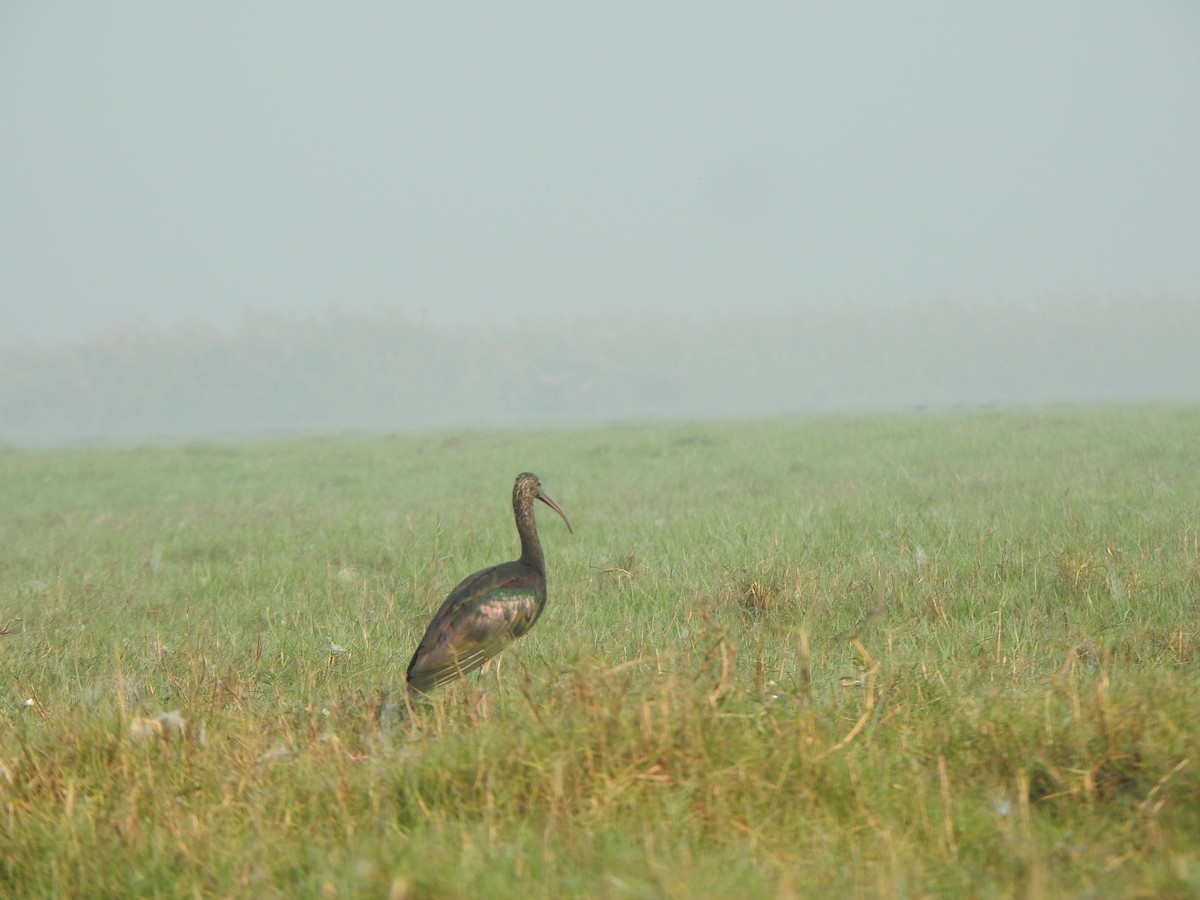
(482, 705)
(493, 666)
(489, 670)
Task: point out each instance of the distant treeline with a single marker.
(341, 370)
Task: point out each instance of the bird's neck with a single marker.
(531, 547)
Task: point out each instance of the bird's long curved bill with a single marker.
(549, 501)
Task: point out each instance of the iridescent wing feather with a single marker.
(482, 615)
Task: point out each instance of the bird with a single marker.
(490, 609)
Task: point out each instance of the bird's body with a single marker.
(490, 609)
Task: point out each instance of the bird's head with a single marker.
(528, 488)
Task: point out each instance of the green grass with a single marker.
(905, 656)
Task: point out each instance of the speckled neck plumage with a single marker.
(531, 546)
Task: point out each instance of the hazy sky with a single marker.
(168, 162)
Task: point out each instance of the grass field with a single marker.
(907, 656)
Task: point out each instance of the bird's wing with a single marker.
(482, 615)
